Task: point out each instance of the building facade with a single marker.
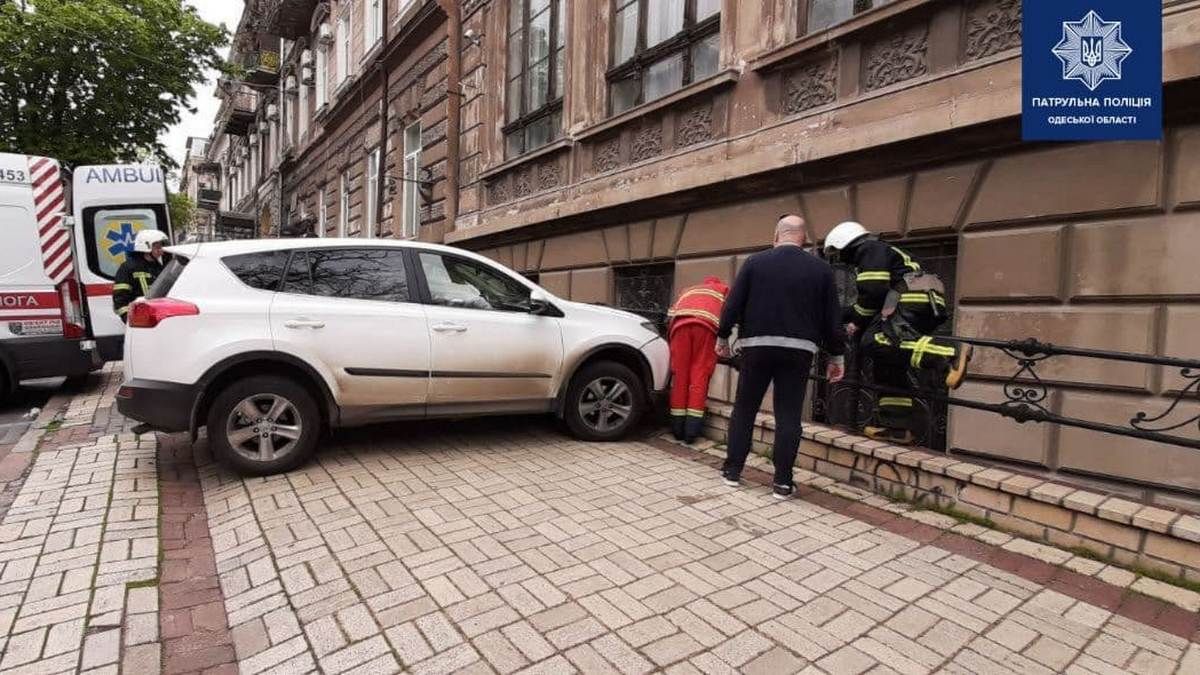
(619, 150)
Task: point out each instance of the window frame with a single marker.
(411, 215)
(554, 98)
(643, 57)
(343, 44)
(374, 158)
(344, 204)
(372, 24)
(321, 83)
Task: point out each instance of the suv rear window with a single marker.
(263, 270)
(162, 285)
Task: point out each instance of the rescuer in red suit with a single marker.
(693, 335)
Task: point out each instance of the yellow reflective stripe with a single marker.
(123, 310)
(694, 312)
(895, 402)
(874, 276)
(919, 350)
(863, 311)
(142, 277)
(678, 412)
(703, 291)
(940, 351)
(908, 261)
(880, 338)
(122, 287)
(695, 413)
(921, 298)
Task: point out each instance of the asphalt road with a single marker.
(13, 410)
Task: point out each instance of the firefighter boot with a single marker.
(889, 435)
(958, 367)
(693, 427)
(678, 423)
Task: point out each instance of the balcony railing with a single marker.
(262, 67)
(208, 200)
(287, 18)
(237, 112)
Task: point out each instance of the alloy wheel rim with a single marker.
(606, 404)
(263, 427)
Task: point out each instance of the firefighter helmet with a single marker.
(840, 237)
(146, 239)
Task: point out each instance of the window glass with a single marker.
(664, 77)
(825, 13)
(357, 273)
(706, 8)
(624, 94)
(457, 282)
(664, 18)
(535, 71)
(263, 270)
(705, 57)
(625, 41)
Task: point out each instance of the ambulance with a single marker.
(62, 239)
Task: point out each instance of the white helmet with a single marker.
(843, 235)
(146, 239)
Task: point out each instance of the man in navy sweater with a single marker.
(785, 306)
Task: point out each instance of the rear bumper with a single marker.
(51, 356)
(165, 406)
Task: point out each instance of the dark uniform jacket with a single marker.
(881, 269)
(133, 280)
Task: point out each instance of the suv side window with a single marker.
(457, 282)
(360, 273)
(263, 270)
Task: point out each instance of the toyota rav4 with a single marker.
(268, 343)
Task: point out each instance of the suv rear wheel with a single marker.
(264, 424)
(604, 402)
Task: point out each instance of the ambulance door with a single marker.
(112, 204)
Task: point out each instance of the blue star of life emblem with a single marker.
(1091, 50)
(120, 241)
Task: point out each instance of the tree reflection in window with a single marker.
(358, 273)
(263, 270)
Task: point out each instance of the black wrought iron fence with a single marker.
(851, 402)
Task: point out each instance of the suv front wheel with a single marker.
(604, 402)
(263, 425)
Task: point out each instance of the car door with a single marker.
(487, 348)
(354, 310)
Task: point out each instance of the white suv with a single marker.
(268, 342)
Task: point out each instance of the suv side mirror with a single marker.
(539, 303)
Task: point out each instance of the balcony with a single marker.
(208, 200)
(261, 67)
(237, 112)
(289, 19)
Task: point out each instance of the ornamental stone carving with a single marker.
(993, 26)
(523, 182)
(648, 142)
(607, 155)
(896, 58)
(695, 126)
(497, 191)
(548, 176)
(809, 86)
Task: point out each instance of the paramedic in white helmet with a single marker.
(138, 272)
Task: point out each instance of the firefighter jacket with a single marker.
(133, 281)
(881, 270)
(700, 305)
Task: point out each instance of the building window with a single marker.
(322, 76)
(322, 213)
(373, 22)
(412, 173)
(645, 290)
(372, 215)
(825, 13)
(343, 47)
(344, 204)
(536, 59)
(660, 46)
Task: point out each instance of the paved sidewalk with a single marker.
(502, 546)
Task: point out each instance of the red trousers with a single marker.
(693, 360)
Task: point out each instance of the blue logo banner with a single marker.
(1091, 70)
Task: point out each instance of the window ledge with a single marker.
(371, 55)
(805, 43)
(548, 149)
(721, 79)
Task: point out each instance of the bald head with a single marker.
(790, 230)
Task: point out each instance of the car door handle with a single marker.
(304, 323)
(449, 328)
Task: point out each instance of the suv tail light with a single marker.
(150, 313)
(71, 311)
